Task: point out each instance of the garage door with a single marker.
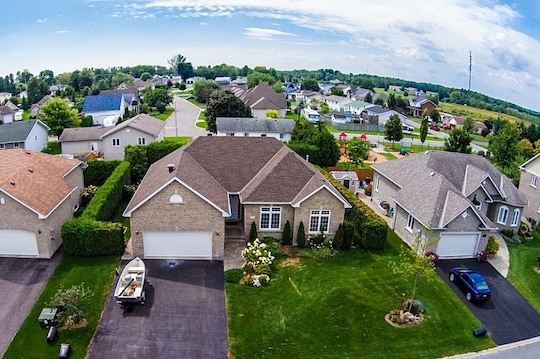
(463, 245)
(18, 243)
(181, 244)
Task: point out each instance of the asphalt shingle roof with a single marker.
(18, 131)
(248, 124)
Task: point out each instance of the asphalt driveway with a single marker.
(21, 283)
(183, 317)
(508, 317)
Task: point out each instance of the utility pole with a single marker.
(470, 69)
(175, 121)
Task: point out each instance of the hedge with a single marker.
(86, 237)
(370, 227)
(97, 172)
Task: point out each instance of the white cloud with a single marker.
(41, 21)
(264, 34)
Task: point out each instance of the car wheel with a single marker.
(468, 296)
(452, 277)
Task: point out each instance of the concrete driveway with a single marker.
(508, 317)
(21, 283)
(183, 317)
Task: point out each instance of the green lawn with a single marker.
(98, 274)
(524, 271)
(163, 116)
(335, 308)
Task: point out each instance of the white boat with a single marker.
(130, 286)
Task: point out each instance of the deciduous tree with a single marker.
(503, 147)
(202, 89)
(393, 129)
(57, 114)
(458, 141)
(223, 103)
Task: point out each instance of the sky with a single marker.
(423, 41)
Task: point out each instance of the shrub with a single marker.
(253, 232)
(273, 246)
(525, 230)
(338, 237)
(415, 307)
(349, 234)
(301, 236)
(87, 237)
(493, 246)
(258, 262)
(71, 303)
(320, 250)
(97, 172)
(286, 239)
(234, 275)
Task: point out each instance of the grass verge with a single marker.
(335, 308)
(97, 273)
(524, 272)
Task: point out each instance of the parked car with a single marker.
(471, 283)
(434, 127)
(447, 127)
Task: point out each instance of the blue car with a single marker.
(471, 283)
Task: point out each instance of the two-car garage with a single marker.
(458, 245)
(177, 244)
(18, 243)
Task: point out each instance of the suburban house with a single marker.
(38, 193)
(36, 107)
(109, 142)
(360, 93)
(279, 128)
(31, 135)
(4, 96)
(190, 200)
(337, 103)
(460, 199)
(192, 80)
(130, 93)
(9, 114)
(419, 104)
(223, 80)
(262, 98)
(378, 115)
(105, 109)
(357, 107)
(530, 187)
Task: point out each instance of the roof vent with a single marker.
(31, 170)
(27, 152)
(170, 166)
(12, 183)
(432, 174)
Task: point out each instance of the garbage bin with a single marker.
(64, 350)
(480, 331)
(51, 334)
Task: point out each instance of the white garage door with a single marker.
(463, 245)
(18, 243)
(181, 244)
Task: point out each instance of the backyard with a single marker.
(335, 308)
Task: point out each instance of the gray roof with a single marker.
(18, 131)
(434, 185)
(344, 175)
(264, 97)
(248, 124)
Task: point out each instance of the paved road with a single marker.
(184, 315)
(182, 121)
(21, 282)
(508, 317)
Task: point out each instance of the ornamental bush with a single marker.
(493, 246)
(286, 239)
(258, 261)
(301, 236)
(71, 302)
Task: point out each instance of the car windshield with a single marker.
(481, 285)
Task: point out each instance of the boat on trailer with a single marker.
(130, 287)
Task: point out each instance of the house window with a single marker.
(270, 218)
(516, 218)
(263, 134)
(281, 136)
(2, 146)
(230, 134)
(116, 142)
(246, 134)
(319, 221)
(534, 181)
(16, 145)
(410, 222)
(141, 140)
(502, 217)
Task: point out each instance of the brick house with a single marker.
(529, 186)
(190, 200)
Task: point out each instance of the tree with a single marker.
(393, 129)
(121, 77)
(202, 89)
(424, 126)
(367, 84)
(357, 151)
(175, 61)
(468, 125)
(271, 113)
(36, 89)
(435, 116)
(504, 149)
(286, 237)
(458, 141)
(301, 236)
(73, 301)
(255, 78)
(525, 148)
(336, 91)
(57, 114)
(146, 76)
(47, 76)
(223, 103)
(368, 98)
(153, 97)
(310, 84)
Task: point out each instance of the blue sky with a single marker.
(424, 41)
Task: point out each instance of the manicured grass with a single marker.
(335, 308)
(97, 273)
(163, 116)
(524, 271)
(53, 148)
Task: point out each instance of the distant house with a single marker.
(337, 103)
(192, 80)
(419, 104)
(356, 107)
(30, 135)
(105, 109)
(360, 94)
(36, 107)
(4, 96)
(109, 142)
(262, 98)
(130, 93)
(223, 80)
(279, 128)
(8, 114)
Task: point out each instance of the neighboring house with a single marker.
(36, 107)
(419, 104)
(7, 115)
(191, 80)
(105, 109)
(262, 98)
(460, 199)
(223, 80)
(378, 115)
(529, 185)
(337, 103)
(349, 179)
(38, 193)
(189, 199)
(4, 96)
(109, 142)
(130, 93)
(31, 135)
(360, 94)
(307, 96)
(356, 107)
(340, 117)
(279, 128)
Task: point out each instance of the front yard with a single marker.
(335, 308)
(524, 272)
